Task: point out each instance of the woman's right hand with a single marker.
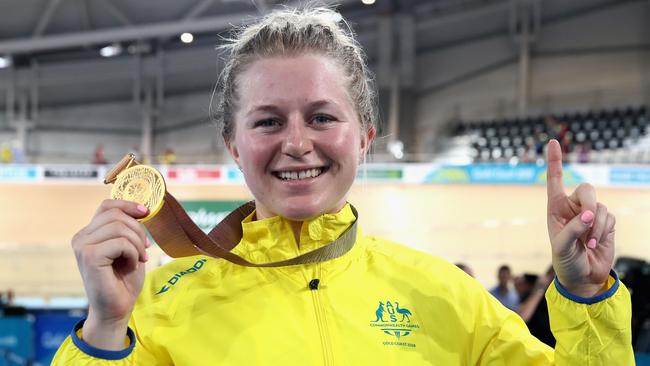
(111, 252)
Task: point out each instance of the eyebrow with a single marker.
(275, 109)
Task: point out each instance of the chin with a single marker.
(300, 213)
(301, 209)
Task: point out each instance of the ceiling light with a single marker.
(187, 37)
(5, 62)
(111, 50)
(368, 2)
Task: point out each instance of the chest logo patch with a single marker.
(175, 278)
(396, 321)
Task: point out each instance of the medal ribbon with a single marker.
(178, 236)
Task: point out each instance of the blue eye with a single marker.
(322, 119)
(269, 122)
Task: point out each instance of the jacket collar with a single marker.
(272, 239)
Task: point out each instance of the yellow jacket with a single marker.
(380, 304)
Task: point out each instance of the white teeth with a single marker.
(309, 173)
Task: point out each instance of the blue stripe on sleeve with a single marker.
(589, 300)
(101, 353)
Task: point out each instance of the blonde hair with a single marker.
(290, 32)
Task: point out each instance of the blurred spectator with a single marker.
(5, 154)
(524, 285)
(534, 310)
(9, 298)
(635, 274)
(168, 157)
(18, 152)
(540, 143)
(10, 308)
(465, 269)
(583, 152)
(503, 292)
(99, 158)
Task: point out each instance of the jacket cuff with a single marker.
(101, 353)
(590, 300)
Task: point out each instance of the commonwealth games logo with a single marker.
(395, 321)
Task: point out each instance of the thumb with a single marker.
(573, 230)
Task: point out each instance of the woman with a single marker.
(297, 116)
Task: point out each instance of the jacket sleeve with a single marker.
(588, 331)
(75, 352)
(592, 331)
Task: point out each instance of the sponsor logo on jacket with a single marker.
(396, 321)
(175, 278)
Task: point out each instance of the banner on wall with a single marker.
(19, 173)
(194, 174)
(16, 336)
(632, 176)
(71, 172)
(380, 173)
(498, 174)
(207, 214)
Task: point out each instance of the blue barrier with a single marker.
(50, 331)
(16, 339)
(642, 359)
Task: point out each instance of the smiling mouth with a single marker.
(300, 174)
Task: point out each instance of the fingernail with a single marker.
(147, 242)
(587, 217)
(146, 256)
(591, 244)
(142, 209)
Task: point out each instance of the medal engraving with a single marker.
(141, 184)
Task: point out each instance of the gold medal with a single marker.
(141, 184)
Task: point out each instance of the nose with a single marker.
(297, 141)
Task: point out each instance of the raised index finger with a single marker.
(554, 185)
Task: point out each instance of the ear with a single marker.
(366, 139)
(232, 149)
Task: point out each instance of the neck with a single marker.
(296, 227)
(503, 288)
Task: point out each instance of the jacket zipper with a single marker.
(328, 358)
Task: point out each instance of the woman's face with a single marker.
(297, 136)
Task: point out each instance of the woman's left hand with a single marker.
(581, 231)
